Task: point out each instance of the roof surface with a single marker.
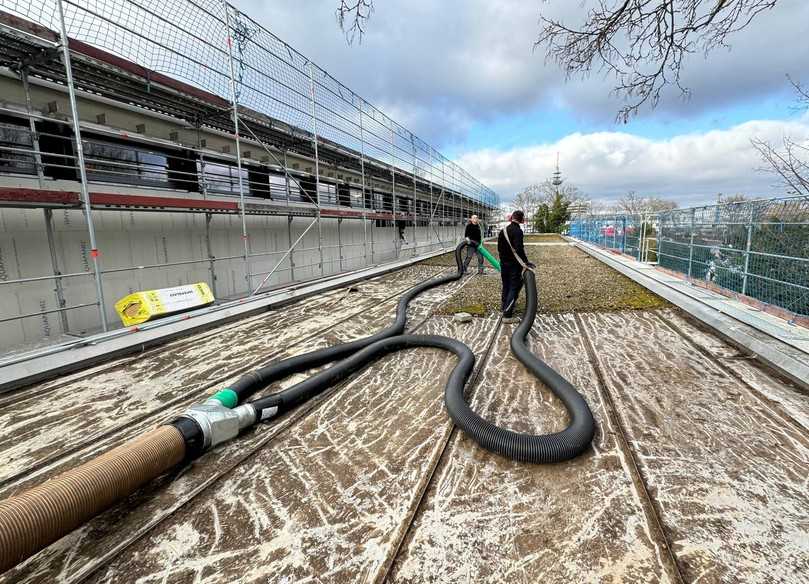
(697, 472)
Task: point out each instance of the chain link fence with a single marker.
(759, 249)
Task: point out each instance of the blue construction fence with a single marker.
(759, 249)
(622, 233)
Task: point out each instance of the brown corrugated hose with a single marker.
(36, 518)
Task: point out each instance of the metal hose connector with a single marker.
(36, 518)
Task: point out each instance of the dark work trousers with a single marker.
(469, 253)
(511, 274)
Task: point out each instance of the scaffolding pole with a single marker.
(430, 217)
(317, 169)
(209, 251)
(396, 239)
(290, 218)
(456, 205)
(235, 101)
(85, 193)
(32, 125)
(415, 221)
(362, 179)
(59, 290)
(286, 174)
(340, 242)
(203, 183)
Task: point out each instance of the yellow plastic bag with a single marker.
(150, 304)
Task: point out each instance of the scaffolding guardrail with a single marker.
(246, 78)
(198, 41)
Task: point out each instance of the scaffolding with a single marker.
(293, 142)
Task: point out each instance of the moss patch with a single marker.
(543, 238)
(569, 281)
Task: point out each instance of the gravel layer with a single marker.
(569, 281)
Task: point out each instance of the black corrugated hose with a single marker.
(543, 448)
(353, 356)
(261, 378)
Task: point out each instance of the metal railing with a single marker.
(759, 249)
(634, 235)
(200, 41)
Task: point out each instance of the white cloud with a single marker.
(441, 68)
(690, 168)
(431, 65)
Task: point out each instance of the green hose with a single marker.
(491, 259)
(227, 397)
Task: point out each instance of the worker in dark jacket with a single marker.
(511, 249)
(474, 234)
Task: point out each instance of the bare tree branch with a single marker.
(532, 197)
(634, 204)
(803, 95)
(643, 43)
(790, 160)
(786, 163)
(352, 16)
(528, 200)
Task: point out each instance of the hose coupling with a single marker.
(224, 397)
(219, 423)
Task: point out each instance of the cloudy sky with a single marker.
(463, 75)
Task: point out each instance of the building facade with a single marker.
(181, 183)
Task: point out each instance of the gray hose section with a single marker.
(543, 448)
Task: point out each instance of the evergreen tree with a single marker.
(552, 218)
